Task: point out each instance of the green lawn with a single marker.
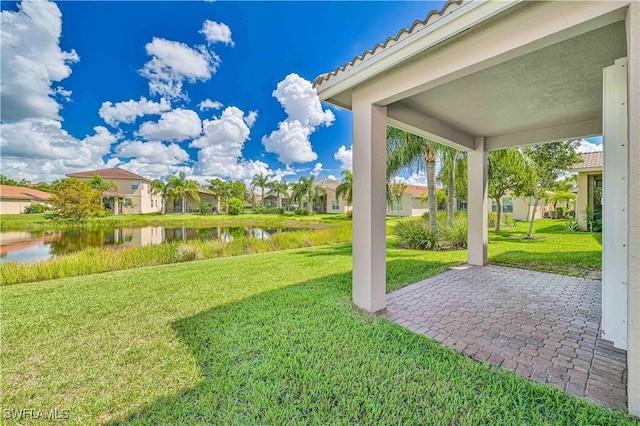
(261, 339)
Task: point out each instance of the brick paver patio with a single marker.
(543, 326)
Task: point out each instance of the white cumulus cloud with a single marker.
(176, 125)
(39, 149)
(316, 169)
(216, 32)
(209, 104)
(586, 146)
(221, 146)
(172, 63)
(32, 61)
(129, 111)
(153, 152)
(304, 114)
(345, 157)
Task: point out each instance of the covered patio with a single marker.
(542, 326)
(488, 75)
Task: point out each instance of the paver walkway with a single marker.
(543, 326)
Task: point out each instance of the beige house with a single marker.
(206, 196)
(522, 208)
(589, 186)
(134, 191)
(489, 75)
(410, 204)
(15, 199)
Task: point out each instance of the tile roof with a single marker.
(416, 27)
(590, 160)
(25, 193)
(112, 173)
(416, 190)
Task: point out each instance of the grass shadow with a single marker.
(302, 355)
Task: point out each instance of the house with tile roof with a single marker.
(16, 199)
(589, 186)
(133, 193)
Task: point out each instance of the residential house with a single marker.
(15, 199)
(133, 193)
(410, 204)
(206, 196)
(589, 186)
(522, 208)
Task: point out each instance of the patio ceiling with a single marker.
(563, 85)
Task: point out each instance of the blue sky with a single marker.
(87, 85)
(97, 84)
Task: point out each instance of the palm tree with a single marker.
(260, 180)
(409, 151)
(316, 194)
(345, 189)
(449, 157)
(158, 187)
(303, 189)
(99, 184)
(278, 188)
(180, 186)
(395, 191)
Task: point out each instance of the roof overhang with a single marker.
(463, 75)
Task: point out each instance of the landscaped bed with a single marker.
(265, 338)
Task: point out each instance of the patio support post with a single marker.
(369, 205)
(633, 173)
(477, 204)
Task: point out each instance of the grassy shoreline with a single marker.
(40, 222)
(106, 259)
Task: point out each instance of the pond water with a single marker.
(25, 246)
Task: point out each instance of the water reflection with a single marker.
(21, 246)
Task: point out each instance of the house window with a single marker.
(505, 202)
(335, 205)
(135, 184)
(396, 205)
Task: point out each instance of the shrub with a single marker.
(560, 212)
(455, 235)
(236, 206)
(268, 210)
(508, 221)
(491, 218)
(415, 234)
(35, 208)
(571, 226)
(302, 211)
(205, 208)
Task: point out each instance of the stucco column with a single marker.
(614, 204)
(369, 205)
(633, 248)
(477, 204)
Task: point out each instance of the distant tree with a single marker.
(222, 189)
(100, 184)
(236, 206)
(509, 170)
(411, 152)
(128, 204)
(161, 188)
(316, 194)
(238, 189)
(552, 160)
(302, 190)
(75, 200)
(180, 187)
(345, 189)
(7, 181)
(260, 181)
(278, 188)
(562, 192)
(395, 191)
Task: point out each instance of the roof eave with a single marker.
(465, 16)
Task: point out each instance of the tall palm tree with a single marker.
(345, 189)
(99, 184)
(411, 152)
(161, 188)
(260, 180)
(316, 194)
(278, 188)
(449, 157)
(180, 186)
